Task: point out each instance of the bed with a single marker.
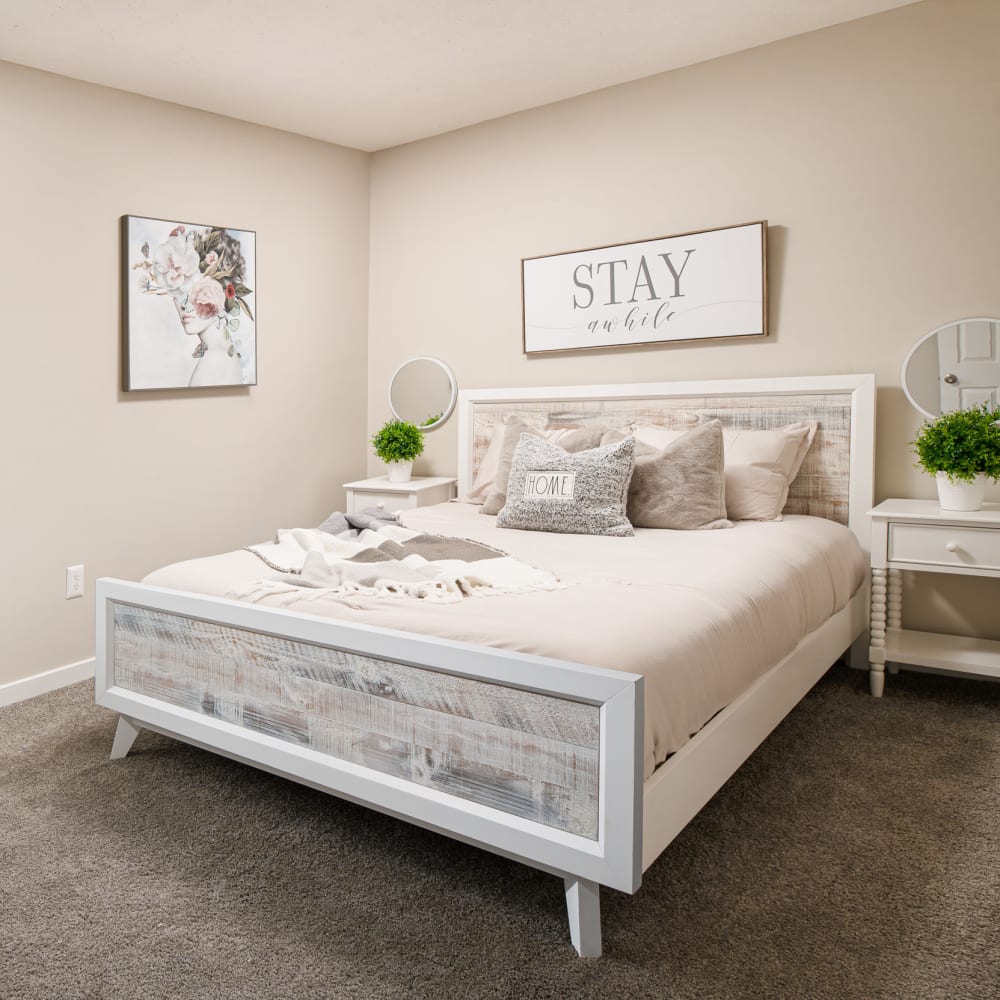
(560, 729)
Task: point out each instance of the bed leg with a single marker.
(857, 653)
(583, 903)
(125, 736)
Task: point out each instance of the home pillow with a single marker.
(760, 465)
(570, 439)
(550, 489)
(683, 485)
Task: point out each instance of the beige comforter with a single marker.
(700, 614)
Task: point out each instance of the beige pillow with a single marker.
(655, 436)
(760, 465)
(571, 439)
(487, 473)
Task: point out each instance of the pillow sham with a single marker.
(571, 439)
(509, 434)
(582, 493)
(682, 485)
(760, 465)
(486, 475)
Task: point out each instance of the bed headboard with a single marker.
(836, 478)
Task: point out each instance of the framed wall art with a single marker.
(694, 286)
(189, 308)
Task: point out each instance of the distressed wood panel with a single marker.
(528, 754)
(822, 486)
(511, 708)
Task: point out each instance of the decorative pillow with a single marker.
(509, 435)
(550, 489)
(654, 435)
(486, 476)
(760, 465)
(571, 439)
(683, 485)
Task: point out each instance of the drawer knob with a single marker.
(381, 506)
(952, 546)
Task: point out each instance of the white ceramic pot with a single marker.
(399, 472)
(957, 494)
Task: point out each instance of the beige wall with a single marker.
(871, 147)
(124, 483)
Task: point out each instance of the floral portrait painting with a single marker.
(189, 305)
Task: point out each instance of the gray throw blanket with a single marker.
(371, 517)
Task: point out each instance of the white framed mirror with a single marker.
(954, 367)
(423, 391)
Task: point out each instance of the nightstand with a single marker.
(917, 535)
(379, 492)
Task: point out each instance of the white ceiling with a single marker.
(377, 73)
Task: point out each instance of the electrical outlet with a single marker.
(74, 581)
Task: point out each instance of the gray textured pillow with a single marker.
(570, 439)
(683, 485)
(583, 494)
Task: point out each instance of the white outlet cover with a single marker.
(74, 582)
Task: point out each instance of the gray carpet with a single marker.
(857, 854)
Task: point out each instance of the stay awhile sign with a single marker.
(691, 287)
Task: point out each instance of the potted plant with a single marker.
(961, 450)
(398, 443)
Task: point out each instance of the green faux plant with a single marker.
(398, 441)
(962, 444)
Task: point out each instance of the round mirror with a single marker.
(954, 367)
(423, 391)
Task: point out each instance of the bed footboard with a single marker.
(535, 759)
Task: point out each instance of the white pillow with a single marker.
(760, 465)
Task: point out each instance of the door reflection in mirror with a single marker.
(954, 367)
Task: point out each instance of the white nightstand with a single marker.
(918, 535)
(390, 497)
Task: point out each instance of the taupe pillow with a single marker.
(760, 465)
(570, 439)
(683, 485)
(550, 489)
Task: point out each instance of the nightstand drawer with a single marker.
(939, 545)
(389, 502)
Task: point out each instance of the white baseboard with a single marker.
(48, 680)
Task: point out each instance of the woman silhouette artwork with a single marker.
(203, 273)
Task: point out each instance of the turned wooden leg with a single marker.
(894, 608)
(125, 736)
(583, 903)
(876, 651)
(894, 600)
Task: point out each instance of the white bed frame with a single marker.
(636, 820)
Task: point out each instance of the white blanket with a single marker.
(391, 561)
